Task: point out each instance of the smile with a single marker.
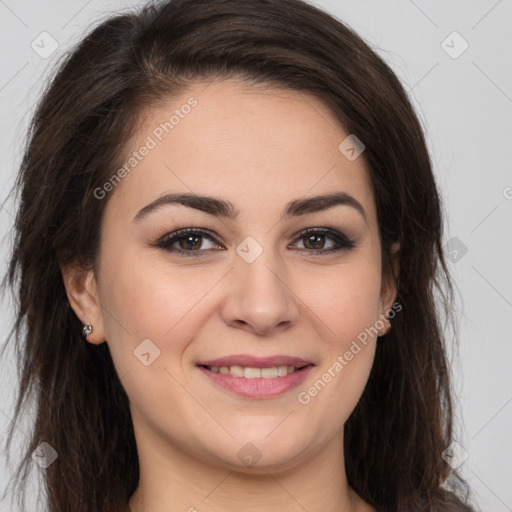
(256, 378)
(253, 373)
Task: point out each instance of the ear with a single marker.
(389, 290)
(83, 297)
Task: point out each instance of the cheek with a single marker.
(147, 301)
(346, 306)
(147, 298)
(344, 299)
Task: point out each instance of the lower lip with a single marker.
(258, 387)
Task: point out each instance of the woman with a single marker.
(226, 251)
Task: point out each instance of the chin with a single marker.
(261, 455)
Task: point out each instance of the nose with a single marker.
(258, 297)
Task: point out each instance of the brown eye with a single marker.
(190, 242)
(314, 240)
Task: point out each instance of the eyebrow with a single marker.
(222, 208)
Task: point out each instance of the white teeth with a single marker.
(236, 371)
(269, 373)
(282, 371)
(254, 373)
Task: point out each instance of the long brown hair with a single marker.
(395, 437)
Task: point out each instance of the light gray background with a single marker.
(465, 104)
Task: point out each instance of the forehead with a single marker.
(261, 146)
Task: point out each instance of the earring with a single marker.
(86, 330)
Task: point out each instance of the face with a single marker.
(240, 338)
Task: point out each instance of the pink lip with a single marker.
(249, 361)
(258, 388)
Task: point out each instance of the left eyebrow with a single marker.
(222, 208)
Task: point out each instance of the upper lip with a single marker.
(249, 361)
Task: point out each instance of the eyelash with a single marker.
(344, 243)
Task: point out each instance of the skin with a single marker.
(259, 149)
